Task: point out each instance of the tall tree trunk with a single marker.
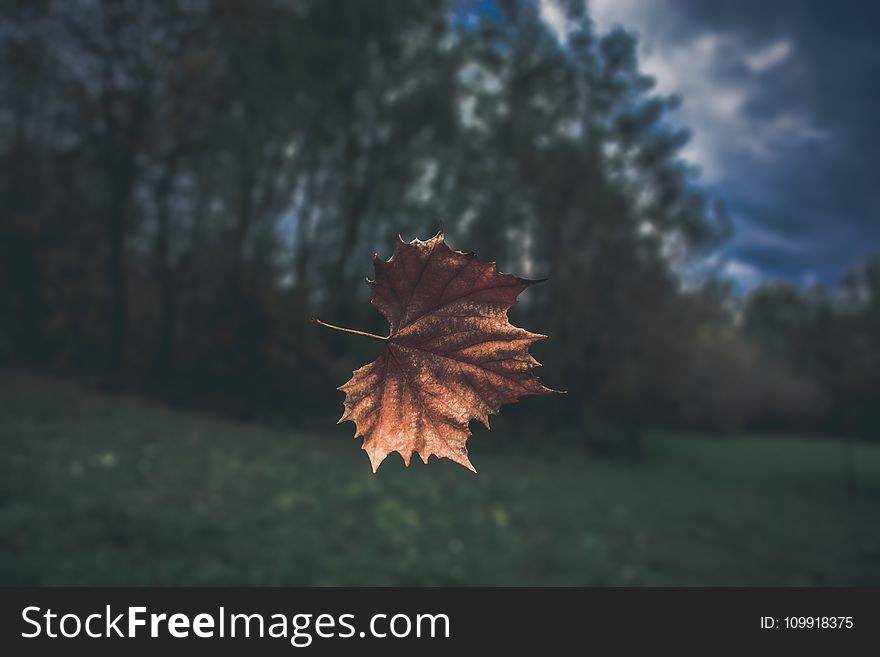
(242, 229)
(305, 217)
(166, 274)
(121, 167)
(116, 266)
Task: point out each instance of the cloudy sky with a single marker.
(783, 98)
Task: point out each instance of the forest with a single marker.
(186, 183)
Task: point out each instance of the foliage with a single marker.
(185, 183)
(829, 338)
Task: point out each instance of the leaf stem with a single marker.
(348, 330)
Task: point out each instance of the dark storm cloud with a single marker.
(784, 103)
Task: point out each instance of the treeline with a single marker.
(185, 183)
(829, 339)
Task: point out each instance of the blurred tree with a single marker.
(185, 182)
(829, 339)
(115, 61)
(580, 175)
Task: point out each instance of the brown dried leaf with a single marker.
(451, 355)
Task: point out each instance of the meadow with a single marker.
(99, 489)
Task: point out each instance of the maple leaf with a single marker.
(451, 355)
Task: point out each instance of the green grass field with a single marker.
(112, 490)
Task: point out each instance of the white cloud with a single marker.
(769, 57)
(701, 69)
(754, 234)
(794, 126)
(629, 13)
(552, 14)
(745, 275)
